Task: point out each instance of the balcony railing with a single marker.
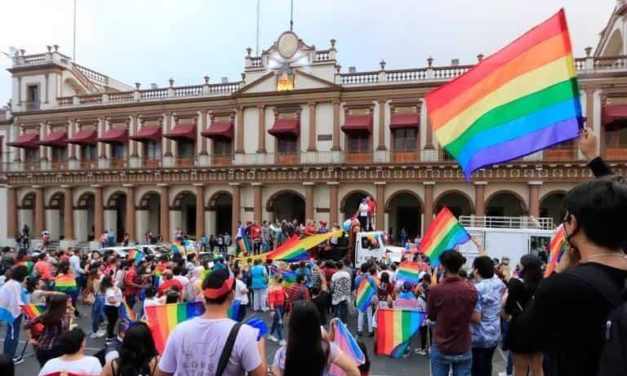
(616, 153)
(561, 153)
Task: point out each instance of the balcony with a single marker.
(31, 106)
(287, 159)
(184, 162)
(405, 157)
(561, 153)
(616, 153)
(222, 160)
(352, 157)
(151, 163)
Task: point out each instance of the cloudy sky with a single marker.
(152, 40)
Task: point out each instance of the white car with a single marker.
(147, 249)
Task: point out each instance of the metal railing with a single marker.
(523, 222)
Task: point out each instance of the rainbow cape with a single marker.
(365, 293)
(343, 338)
(66, 283)
(162, 319)
(135, 255)
(297, 250)
(443, 234)
(126, 312)
(408, 271)
(520, 100)
(395, 327)
(557, 247)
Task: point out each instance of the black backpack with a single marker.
(613, 359)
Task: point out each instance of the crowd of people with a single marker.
(563, 324)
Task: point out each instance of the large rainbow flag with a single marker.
(66, 283)
(395, 327)
(522, 99)
(162, 319)
(408, 271)
(365, 293)
(444, 233)
(298, 251)
(557, 247)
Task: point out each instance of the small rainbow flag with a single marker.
(27, 263)
(126, 312)
(408, 271)
(365, 293)
(135, 255)
(444, 233)
(343, 338)
(162, 319)
(395, 327)
(557, 247)
(66, 283)
(296, 251)
(33, 311)
(522, 99)
(289, 277)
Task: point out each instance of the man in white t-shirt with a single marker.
(241, 295)
(363, 214)
(195, 346)
(72, 344)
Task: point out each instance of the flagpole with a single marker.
(74, 35)
(257, 39)
(291, 15)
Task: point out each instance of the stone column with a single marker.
(202, 123)
(239, 130)
(257, 202)
(261, 109)
(164, 212)
(40, 218)
(101, 131)
(333, 206)
(336, 126)
(381, 144)
(167, 120)
(98, 212)
(312, 127)
(68, 213)
(480, 201)
(200, 210)
(534, 198)
(380, 219)
(428, 214)
(130, 211)
(236, 207)
(309, 199)
(11, 212)
(72, 127)
(133, 128)
(429, 140)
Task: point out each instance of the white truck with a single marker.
(371, 246)
(511, 237)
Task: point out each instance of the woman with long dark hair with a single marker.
(519, 296)
(138, 354)
(113, 299)
(305, 332)
(55, 320)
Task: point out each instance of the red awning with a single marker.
(115, 136)
(84, 137)
(148, 133)
(357, 123)
(219, 130)
(285, 127)
(405, 120)
(55, 139)
(182, 131)
(26, 141)
(613, 112)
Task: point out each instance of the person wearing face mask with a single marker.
(569, 313)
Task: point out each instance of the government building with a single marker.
(299, 136)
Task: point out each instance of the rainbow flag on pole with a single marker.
(33, 311)
(365, 293)
(395, 327)
(135, 255)
(444, 233)
(66, 283)
(520, 100)
(408, 271)
(162, 319)
(557, 247)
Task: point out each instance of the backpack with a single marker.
(613, 359)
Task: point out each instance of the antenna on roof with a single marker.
(257, 38)
(291, 15)
(74, 36)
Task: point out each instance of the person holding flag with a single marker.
(10, 302)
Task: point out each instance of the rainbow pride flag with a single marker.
(32, 311)
(162, 319)
(557, 247)
(365, 293)
(395, 327)
(298, 251)
(27, 263)
(66, 283)
(289, 278)
(135, 255)
(408, 271)
(126, 312)
(444, 233)
(343, 338)
(520, 100)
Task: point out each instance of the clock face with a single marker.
(288, 45)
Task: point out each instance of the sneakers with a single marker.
(371, 334)
(18, 359)
(273, 339)
(359, 334)
(282, 342)
(93, 336)
(503, 373)
(99, 334)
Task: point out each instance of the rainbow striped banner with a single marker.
(520, 100)
(395, 327)
(557, 247)
(408, 271)
(135, 255)
(444, 233)
(365, 293)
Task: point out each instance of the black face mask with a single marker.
(568, 237)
